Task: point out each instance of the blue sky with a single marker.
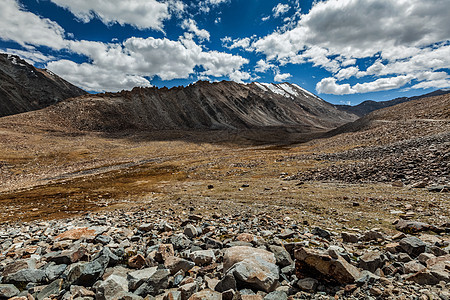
(345, 51)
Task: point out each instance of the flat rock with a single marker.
(236, 254)
(136, 278)
(8, 291)
(77, 234)
(337, 269)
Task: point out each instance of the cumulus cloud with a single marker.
(280, 10)
(279, 77)
(206, 5)
(31, 56)
(229, 43)
(26, 28)
(335, 34)
(191, 26)
(142, 14)
(329, 85)
(135, 60)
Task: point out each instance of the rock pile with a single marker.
(159, 255)
(423, 160)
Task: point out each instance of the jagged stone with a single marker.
(155, 284)
(282, 257)
(202, 257)
(413, 246)
(109, 288)
(175, 264)
(336, 269)
(8, 291)
(53, 288)
(138, 277)
(371, 261)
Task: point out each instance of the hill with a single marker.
(200, 106)
(25, 88)
(368, 106)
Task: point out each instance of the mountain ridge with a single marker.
(24, 87)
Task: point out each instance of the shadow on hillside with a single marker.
(271, 137)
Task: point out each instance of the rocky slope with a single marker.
(369, 106)
(25, 88)
(408, 143)
(247, 255)
(203, 105)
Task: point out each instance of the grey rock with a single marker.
(53, 271)
(308, 284)
(180, 241)
(110, 287)
(228, 282)
(136, 278)
(53, 288)
(175, 264)
(190, 231)
(367, 277)
(413, 246)
(257, 272)
(371, 261)
(25, 276)
(413, 267)
(202, 257)
(276, 295)
(321, 233)
(155, 284)
(103, 239)
(282, 257)
(8, 291)
(172, 295)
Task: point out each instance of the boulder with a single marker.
(413, 246)
(257, 273)
(314, 261)
(236, 254)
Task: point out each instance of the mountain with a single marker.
(368, 106)
(200, 106)
(25, 88)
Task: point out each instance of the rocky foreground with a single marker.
(137, 254)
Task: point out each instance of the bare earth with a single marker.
(47, 173)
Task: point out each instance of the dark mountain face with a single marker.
(25, 88)
(204, 105)
(369, 106)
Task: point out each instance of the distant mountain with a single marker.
(368, 106)
(25, 88)
(199, 106)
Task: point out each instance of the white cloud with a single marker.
(136, 59)
(206, 5)
(95, 78)
(279, 77)
(442, 83)
(329, 85)
(280, 9)
(142, 14)
(31, 56)
(347, 73)
(26, 28)
(265, 18)
(236, 43)
(359, 29)
(262, 66)
(191, 26)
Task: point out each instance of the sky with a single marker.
(345, 51)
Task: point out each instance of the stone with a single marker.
(415, 227)
(155, 284)
(257, 272)
(129, 296)
(371, 261)
(25, 276)
(180, 241)
(136, 278)
(308, 284)
(109, 288)
(423, 277)
(413, 246)
(231, 295)
(77, 234)
(53, 271)
(286, 234)
(81, 291)
(228, 282)
(164, 251)
(367, 277)
(206, 295)
(137, 261)
(187, 290)
(276, 295)
(8, 291)
(146, 227)
(282, 257)
(236, 254)
(70, 256)
(321, 233)
(103, 239)
(172, 295)
(372, 236)
(53, 288)
(86, 274)
(202, 257)
(175, 264)
(424, 257)
(349, 237)
(190, 231)
(336, 269)
(413, 267)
